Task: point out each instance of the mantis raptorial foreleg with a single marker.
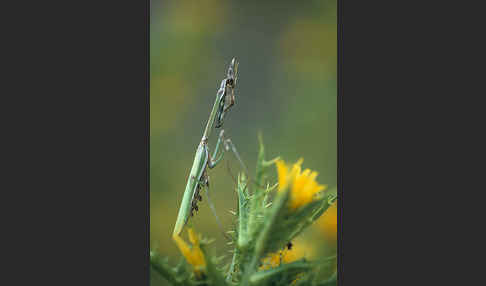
(212, 163)
(228, 145)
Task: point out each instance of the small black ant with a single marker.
(289, 245)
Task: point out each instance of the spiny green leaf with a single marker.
(263, 242)
(330, 197)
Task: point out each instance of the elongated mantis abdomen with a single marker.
(197, 170)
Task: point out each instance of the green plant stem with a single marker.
(263, 237)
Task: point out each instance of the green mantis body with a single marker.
(198, 176)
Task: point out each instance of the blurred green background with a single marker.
(286, 89)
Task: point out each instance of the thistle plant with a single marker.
(270, 215)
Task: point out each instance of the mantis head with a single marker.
(227, 99)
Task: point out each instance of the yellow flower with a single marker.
(300, 248)
(297, 251)
(303, 184)
(275, 259)
(193, 255)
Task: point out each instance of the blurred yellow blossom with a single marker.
(298, 251)
(275, 259)
(304, 186)
(327, 223)
(193, 255)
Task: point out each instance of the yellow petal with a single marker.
(304, 187)
(282, 171)
(192, 237)
(183, 247)
(306, 172)
(194, 254)
(296, 168)
(277, 258)
(313, 175)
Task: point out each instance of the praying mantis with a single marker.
(198, 177)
